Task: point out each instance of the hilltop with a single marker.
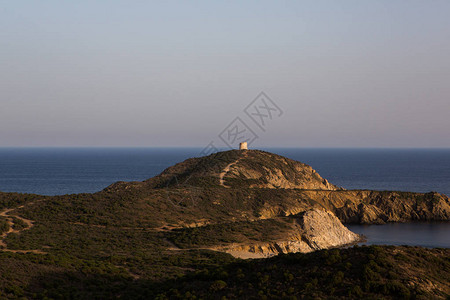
(247, 168)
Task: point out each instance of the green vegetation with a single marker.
(19, 224)
(106, 244)
(236, 232)
(9, 200)
(145, 240)
(4, 225)
(359, 272)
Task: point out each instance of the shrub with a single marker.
(218, 285)
(4, 225)
(355, 291)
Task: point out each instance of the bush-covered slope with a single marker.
(354, 273)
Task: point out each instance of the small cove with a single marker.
(432, 235)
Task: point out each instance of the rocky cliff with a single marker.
(317, 229)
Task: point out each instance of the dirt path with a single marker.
(9, 216)
(227, 169)
(9, 220)
(166, 228)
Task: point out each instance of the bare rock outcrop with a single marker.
(372, 207)
(319, 229)
(267, 170)
(322, 230)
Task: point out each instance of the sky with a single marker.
(178, 73)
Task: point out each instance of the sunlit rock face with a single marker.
(318, 229)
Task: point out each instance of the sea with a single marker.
(59, 171)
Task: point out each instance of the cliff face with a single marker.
(266, 170)
(318, 229)
(364, 207)
(371, 207)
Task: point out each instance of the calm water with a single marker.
(413, 234)
(56, 171)
(415, 170)
(59, 171)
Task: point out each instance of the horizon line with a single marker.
(220, 148)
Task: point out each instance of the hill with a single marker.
(134, 236)
(248, 168)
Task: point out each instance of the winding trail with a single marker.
(227, 169)
(6, 213)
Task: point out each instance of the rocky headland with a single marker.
(248, 186)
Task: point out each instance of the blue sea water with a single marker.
(433, 234)
(58, 171)
(415, 170)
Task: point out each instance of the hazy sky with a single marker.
(165, 73)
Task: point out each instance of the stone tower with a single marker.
(243, 146)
